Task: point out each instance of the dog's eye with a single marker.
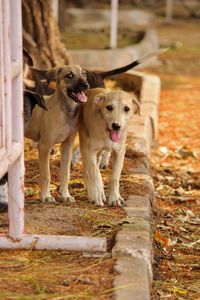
(69, 76)
(126, 108)
(84, 74)
(109, 107)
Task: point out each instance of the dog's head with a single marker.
(117, 107)
(71, 80)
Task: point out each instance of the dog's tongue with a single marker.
(115, 135)
(81, 97)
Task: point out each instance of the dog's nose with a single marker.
(85, 84)
(116, 126)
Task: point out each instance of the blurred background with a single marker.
(56, 32)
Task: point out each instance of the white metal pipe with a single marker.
(55, 242)
(16, 171)
(114, 24)
(55, 8)
(7, 73)
(2, 108)
(169, 11)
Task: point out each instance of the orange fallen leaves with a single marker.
(164, 241)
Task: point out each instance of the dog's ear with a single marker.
(94, 79)
(34, 99)
(136, 105)
(99, 99)
(36, 74)
(27, 58)
(52, 74)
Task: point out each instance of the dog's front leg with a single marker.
(44, 154)
(115, 198)
(93, 178)
(65, 163)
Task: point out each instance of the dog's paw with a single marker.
(49, 199)
(116, 201)
(68, 199)
(98, 201)
(103, 165)
(104, 160)
(98, 198)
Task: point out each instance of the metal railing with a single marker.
(12, 141)
(11, 112)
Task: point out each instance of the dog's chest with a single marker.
(105, 143)
(64, 128)
(109, 145)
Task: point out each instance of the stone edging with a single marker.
(133, 247)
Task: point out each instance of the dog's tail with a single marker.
(131, 65)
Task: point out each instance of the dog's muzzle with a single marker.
(77, 94)
(115, 133)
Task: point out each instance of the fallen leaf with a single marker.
(194, 287)
(165, 190)
(163, 150)
(162, 239)
(176, 290)
(184, 153)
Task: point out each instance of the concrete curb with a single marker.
(133, 247)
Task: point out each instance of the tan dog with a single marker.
(58, 125)
(104, 126)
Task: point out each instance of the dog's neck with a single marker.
(68, 106)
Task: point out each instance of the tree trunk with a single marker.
(41, 36)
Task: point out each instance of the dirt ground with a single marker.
(175, 168)
(95, 39)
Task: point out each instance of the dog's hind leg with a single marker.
(104, 160)
(65, 163)
(115, 198)
(44, 154)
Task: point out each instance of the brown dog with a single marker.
(58, 125)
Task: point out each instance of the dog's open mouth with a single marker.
(78, 96)
(115, 135)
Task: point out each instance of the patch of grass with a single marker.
(91, 39)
